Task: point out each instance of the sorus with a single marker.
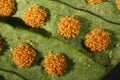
(118, 4)
(23, 55)
(95, 1)
(68, 27)
(7, 7)
(55, 64)
(35, 16)
(97, 40)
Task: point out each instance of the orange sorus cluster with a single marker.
(68, 27)
(95, 1)
(55, 64)
(7, 7)
(35, 16)
(118, 4)
(97, 40)
(23, 55)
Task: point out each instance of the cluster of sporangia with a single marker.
(68, 27)
(54, 63)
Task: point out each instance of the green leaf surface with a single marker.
(79, 66)
(91, 16)
(12, 76)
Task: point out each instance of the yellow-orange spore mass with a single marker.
(118, 4)
(95, 1)
(97, 40)
(7, 7)
(35, 16)
(23, 55)
(68, 27)
(55, 64)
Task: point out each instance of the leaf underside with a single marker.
(82, 63)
